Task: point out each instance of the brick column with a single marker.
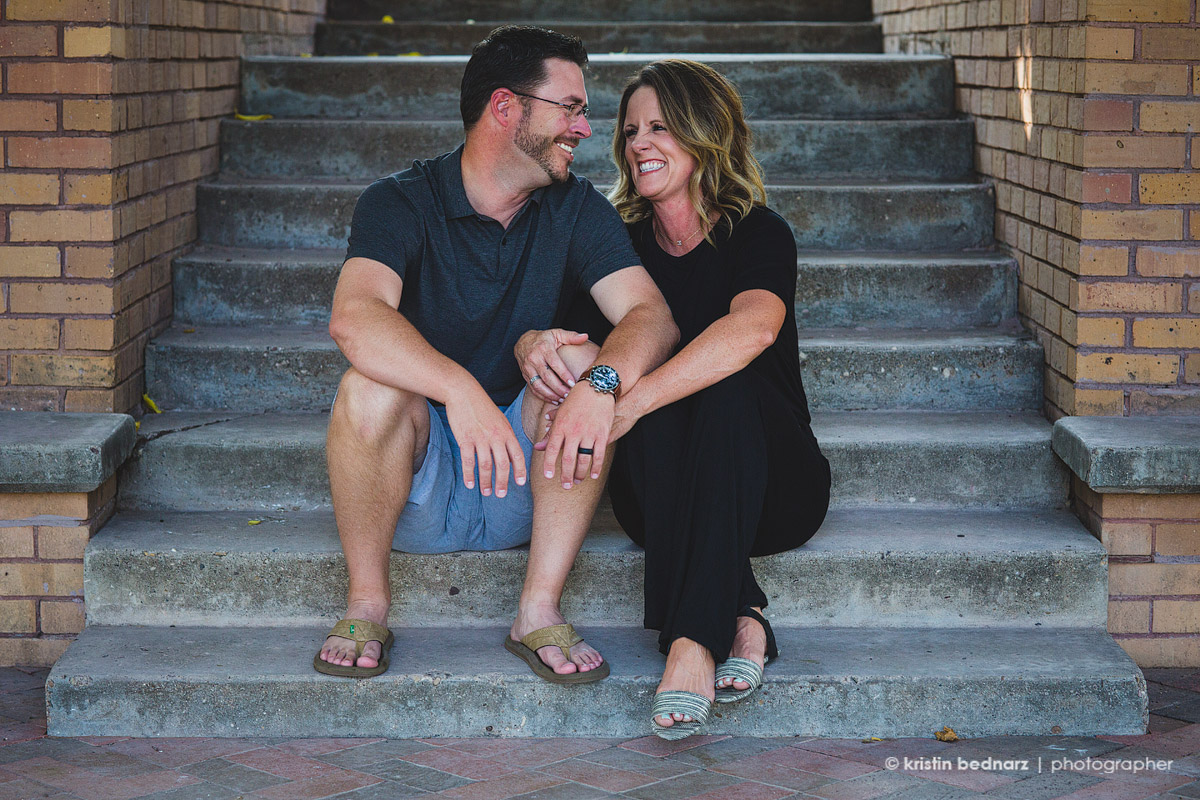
(41, 569)
(109, 114)
(1084, 117)
(1154, 571)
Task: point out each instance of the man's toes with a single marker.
(553, 658)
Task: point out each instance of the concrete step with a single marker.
(837, 682)
(673, 36)
(791, 150)
(488, 13)
(910, 217)
(210, 461)
(898, 290)
(773, 85)
(864, 568)
(298, 369)
(236, 286)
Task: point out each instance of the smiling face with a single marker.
(546, 133)
(659, 166)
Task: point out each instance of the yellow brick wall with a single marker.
(1085, 117)
(42, 538)
(109, 114)
(1153, 543)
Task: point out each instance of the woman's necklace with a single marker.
(677, 242)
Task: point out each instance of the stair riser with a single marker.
(934, 150)
(949, 590)
(180, 376)
(839, 693)
(182, 474)
(916, 218)
(428, 89)
(524, 10)
(450, 38)
(236, 294)
(902, 295)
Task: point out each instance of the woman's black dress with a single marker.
(732, 471)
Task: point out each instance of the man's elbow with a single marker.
(341, 330)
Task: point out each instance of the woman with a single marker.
(717, 462)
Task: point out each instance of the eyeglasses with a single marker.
(576, 110)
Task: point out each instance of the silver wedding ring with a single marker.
(535, 378)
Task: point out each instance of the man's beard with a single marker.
(542, 150)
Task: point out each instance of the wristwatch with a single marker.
(604, 379)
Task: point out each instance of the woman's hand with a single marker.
(537, 355)
(627, 413)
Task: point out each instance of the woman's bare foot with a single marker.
(750, 642)
(340, 651)
(690, 668)
(533, 616)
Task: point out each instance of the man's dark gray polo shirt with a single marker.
(471, 287)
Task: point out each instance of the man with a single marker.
(448, 264)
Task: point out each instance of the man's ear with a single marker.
(502, 106)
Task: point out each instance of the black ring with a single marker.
(585, 451)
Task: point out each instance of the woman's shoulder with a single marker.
(760, 220)
(761, 225)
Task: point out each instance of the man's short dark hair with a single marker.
(512, 57)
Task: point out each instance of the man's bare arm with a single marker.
(381, 344)
(643, 337)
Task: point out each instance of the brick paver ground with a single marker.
(33, 765)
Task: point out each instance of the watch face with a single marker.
(604, 378)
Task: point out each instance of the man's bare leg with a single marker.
(376, 443)
(561, 518)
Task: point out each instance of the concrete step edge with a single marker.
(837, 682)
(891, 569)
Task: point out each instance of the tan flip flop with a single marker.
(564, 638)
(360, 631)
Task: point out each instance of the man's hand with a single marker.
(584, 419)
(484, 437)
(537, 354)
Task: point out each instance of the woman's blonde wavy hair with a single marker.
(703, 112)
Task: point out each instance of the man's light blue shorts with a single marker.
(442, 515)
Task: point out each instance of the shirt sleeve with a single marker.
(385, 227)
(600, 244)
(765, 255)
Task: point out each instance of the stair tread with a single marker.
(635, 59)
(831, 427)
(311, 337)
(896, 532)
(204, 252)
(143, 653)
(295, 184)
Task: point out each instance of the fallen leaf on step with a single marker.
(413, 53)
(306, 55)
(872, 739)
(946, 734)
(189, 330)
(373, 55)
(255, 522)
(387, 20)
(150, 404)
(254, 117)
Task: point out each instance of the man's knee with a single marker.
(376, 410)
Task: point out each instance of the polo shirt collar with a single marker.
(454, 195)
